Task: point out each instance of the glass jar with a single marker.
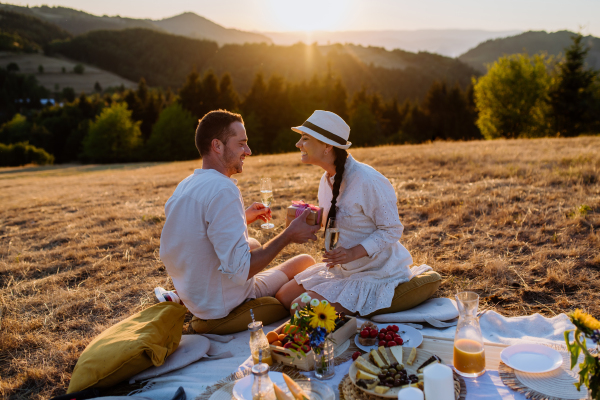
(469, 353)
(258, 341)
(262, 387)
(324, 361)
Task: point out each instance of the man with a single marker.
(204, 244)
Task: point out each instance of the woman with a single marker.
(369, 261)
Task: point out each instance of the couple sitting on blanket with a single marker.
(219, 272)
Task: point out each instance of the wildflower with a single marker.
(315, 302)
(324, 302)
(584, 320)
(297, 316)
(323, 316)
(305, 298)
(317, 337)
(294, 306)
(596, 336)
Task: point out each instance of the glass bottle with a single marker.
(258, 341)
(262, 387)
(469, 353)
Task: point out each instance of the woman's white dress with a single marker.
(367, 215)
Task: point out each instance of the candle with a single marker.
(439, 384)
(410, 393)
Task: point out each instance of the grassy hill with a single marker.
(186, 24)
(55, 80)
(165, 60)
(530, 42)
(20, 32)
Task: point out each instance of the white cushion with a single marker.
(439, 309)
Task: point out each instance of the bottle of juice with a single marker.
(258, 341)
(469, 353)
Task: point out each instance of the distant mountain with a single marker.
(197, 27)
(448, 42)
(165, 60)
(531, 42)
(186, 24)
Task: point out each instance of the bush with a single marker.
(79, 69)
(512, 97)
(113, 136)
(14, 155)
(172, 135)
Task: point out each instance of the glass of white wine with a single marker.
(332, 235)
(266, 197)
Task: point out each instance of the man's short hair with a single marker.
(215, 125)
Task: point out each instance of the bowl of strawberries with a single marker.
(372, 335)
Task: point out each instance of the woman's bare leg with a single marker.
(299, 290)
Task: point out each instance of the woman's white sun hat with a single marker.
(327, 127)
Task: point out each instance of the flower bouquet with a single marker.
(586, 327)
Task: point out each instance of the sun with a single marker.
(307, 15)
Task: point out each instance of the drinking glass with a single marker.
(332, 235)
(266, 197)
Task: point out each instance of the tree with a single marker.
(97, 87)
(512, 97)
(13, 155)
(68, 94)
(79, 69)
(364, 126)
(113, 136)
(173, 135)
(191, 95)
(228, 98)
(12, 67)
(40, 69)
(572, 95)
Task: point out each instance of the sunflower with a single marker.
(323, 315)
(585, 319)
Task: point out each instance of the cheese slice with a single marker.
(366, 366)
(377, 358)
(397, 353)
(412, 356)
(381, 389)
(384, 355)
(364, 375)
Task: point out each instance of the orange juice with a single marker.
(266, 358)
(469, 357)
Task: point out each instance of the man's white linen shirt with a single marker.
(204, 244)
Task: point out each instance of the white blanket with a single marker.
(195, 378)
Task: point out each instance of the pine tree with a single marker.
(228, 98)
(572, 97)
(191, 95)
(210, 92)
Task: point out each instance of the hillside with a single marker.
(20, 32)
(530, 42)
(447, 42)
(194, 26)
(165, 60)
(55, 80)
(186, 24)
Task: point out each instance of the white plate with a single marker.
(533, 358)
(242, 390)
(411, 337)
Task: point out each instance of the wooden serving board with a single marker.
(445, 349)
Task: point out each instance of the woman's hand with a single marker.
(344, 256)
(258, 211)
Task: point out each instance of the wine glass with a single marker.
(266, 197)
(332, 235)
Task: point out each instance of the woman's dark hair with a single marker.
(215, 125)
(340, 165)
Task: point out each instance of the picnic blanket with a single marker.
(195, 378)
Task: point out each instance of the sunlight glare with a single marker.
(308, 15)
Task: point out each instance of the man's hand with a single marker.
(301, 232)
(344, 256)
(258, 211)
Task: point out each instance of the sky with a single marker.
(307, 15)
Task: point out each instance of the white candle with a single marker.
(410, 393)
(439, 384)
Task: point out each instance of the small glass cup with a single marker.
(324, 361)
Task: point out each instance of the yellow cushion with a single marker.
(412, 293)
(265, 309)
(129, 347)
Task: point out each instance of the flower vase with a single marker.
(324, 361)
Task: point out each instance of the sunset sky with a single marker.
(285, 15)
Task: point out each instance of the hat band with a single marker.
(325, 133)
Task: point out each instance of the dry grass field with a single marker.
(516, 221)
(55, 80)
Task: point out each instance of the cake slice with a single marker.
(366, 366)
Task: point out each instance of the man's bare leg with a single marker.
(291, 268)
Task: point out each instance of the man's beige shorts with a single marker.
(266, 308)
